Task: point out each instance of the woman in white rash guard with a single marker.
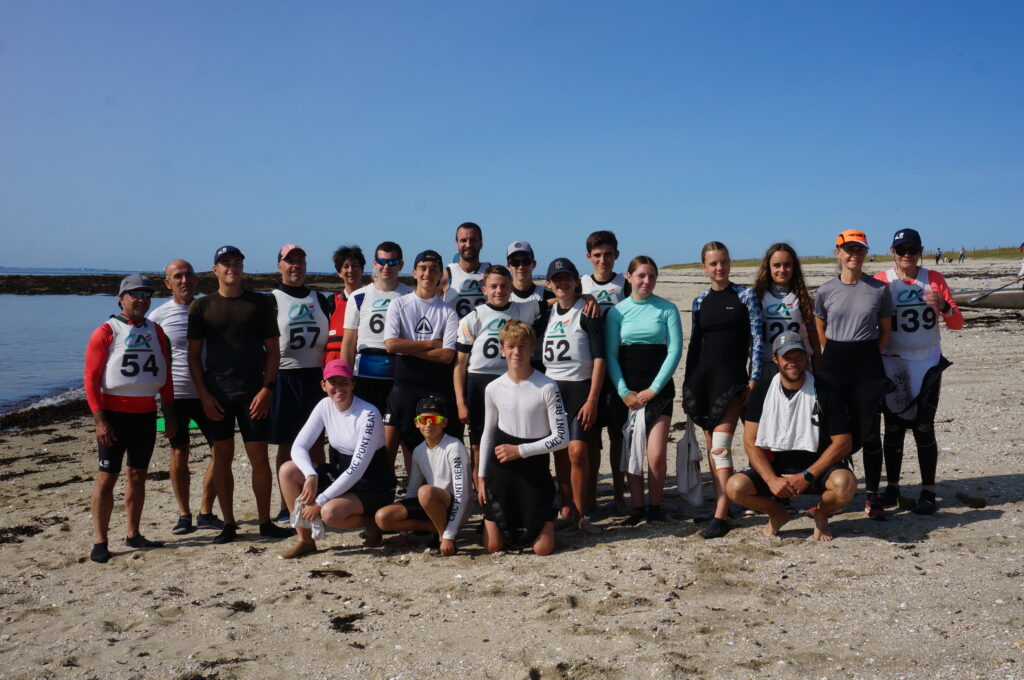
(515, 487)
(357, 481)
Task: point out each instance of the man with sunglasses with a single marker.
(521, 264)
(363, 343)
(127, 362)
(461, 283)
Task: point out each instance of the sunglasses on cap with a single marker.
(388, 261)
(525, 262)
(907, 250)
(430, 419)
(141, 294)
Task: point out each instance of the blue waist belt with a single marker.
(375, 366)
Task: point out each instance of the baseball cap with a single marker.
(224, 251)
(851, 237)
(428, 256)
(562, 265)
(786, 341)
(430, 404)
(336, 368)
(520, 247)
(906, 236)
(288, 249)
(135, 282)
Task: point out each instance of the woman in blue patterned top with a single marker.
(725, 340)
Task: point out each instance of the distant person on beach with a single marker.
(796, 434)
(233, 356)
(357, 480)
(127, 362)
(1020, 274)
(180, 278)
(461, 284)
(914, 363)
(349, 262)
(938, 255)
(363, 345)
(302, 320)
(439, 485)
(963, 255)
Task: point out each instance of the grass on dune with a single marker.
(1001, 253)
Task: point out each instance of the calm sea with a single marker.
(42, 346)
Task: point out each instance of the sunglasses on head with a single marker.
(430, 418)
(520, 263)
(141, 294)
(388, 261)
(907, 250)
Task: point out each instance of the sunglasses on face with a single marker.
(388, 261)
(140, 294)
(430, 419)
(907, 250)
(520, 263)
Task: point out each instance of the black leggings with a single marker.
(923, 428)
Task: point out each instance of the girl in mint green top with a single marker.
(644, 342)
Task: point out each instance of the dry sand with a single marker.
(923, 597)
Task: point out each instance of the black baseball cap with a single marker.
(224, 251)
(562, 265)
(904, 236)
(430, 404)
(428, 256)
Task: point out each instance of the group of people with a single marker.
(341, 382)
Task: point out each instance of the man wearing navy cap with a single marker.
(237, 331)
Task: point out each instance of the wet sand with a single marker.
(922, 597)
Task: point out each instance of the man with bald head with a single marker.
(180, 278)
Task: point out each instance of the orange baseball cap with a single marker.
(852, 237)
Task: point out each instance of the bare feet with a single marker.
(298, 549)
(374, 536)
(776, 519)
(822, 532)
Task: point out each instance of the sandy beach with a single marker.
(914, 597)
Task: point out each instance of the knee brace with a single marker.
(721, 450)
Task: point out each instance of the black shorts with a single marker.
(185, 410)
(402, 412)
(372, 500)
(238, 410)
(135, 433)
(375, 391)
(792, 466)
(296, 395)
(574, 395)
(612, 411)
(414, 510)
(476, 383)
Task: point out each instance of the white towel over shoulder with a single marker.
(789, 424)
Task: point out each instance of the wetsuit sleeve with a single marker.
(756, 403)
(490, 427)
(167, 389)
(557, 422)
(540, 321)
(674, 335)
(416, 478)
(307, 436)
(756, 338)
(696, 338)
(612, 340)
(955, 320)
(370, 438)
(458, 459)
(95, 363)
(594, 328)
(326, 303)
(196, 324)
(270, 327)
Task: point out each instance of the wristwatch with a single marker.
(808, 476)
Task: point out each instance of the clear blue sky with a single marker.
(134, 132)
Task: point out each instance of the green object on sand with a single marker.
(161, 425)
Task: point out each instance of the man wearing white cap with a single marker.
(127, 363)
(797, 435)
